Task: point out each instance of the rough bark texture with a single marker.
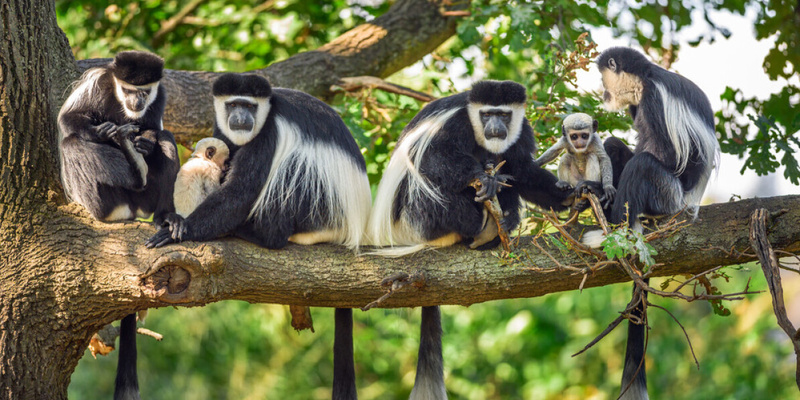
(41, 336)
(329, 276)
(397, 39)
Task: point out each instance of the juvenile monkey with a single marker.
(586, 160)
(200, 175)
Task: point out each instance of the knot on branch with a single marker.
(176, 277)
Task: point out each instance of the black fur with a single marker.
(137, 67)
(242, 85)
(429, 384)
(127, 383)
(496, 93)
(646, 178)
(99, 173)
(344, 374)
(453, 159)
(226, 211)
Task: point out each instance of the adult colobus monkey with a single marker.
(117, 161)
(585, 158)
(424, 198)
(296, 174)
(675, 154)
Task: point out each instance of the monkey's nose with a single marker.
(494, 133)
(240, 124)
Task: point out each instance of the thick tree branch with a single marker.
(193, 274)
(391, 42)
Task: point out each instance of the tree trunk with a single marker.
(43, 322)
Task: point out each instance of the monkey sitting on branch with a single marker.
(585, 160)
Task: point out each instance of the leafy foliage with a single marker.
(623, 242)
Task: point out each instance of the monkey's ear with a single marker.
(595, 124)
(612, 65)
(210, 151)
(563, 131)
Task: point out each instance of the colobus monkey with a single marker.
(117, 161)
(200, 175)
(675, 154)
(586, 159)
(296, 174)
(424, 198)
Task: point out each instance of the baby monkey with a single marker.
(200, 175)
(586, 160)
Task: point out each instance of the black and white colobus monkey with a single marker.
(424, 198)
(586, 159)
(118, 162)
(676, 152)
(296, 174)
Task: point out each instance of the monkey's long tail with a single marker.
(127, 383)
(634, 369)
(344, 374)
(429, 383)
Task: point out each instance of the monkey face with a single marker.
(212, 150)
(622, 89)
(496, 128)
(135, 99)
(495, 123)
(241, 118)
(241, 114)
(579, 139)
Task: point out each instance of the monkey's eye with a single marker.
(585, 136)
(574, 136)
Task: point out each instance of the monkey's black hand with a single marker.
(490, 185)
(608, 196)
(143, 145)
(564, 185)
(176, 225)
(161, 238)
(105, 130)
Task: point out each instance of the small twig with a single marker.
(696, 277)
(456, 13)
(148, 332)
(769, 264)
(353, 83)
(394, 283)
(493, 206)
(689, 341)
(603, 334)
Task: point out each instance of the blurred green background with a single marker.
(514, 349)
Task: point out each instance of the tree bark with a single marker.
(409, 30)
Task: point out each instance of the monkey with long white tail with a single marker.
(425, 200)
(296, 175)
(676, 152)
(585, 158)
